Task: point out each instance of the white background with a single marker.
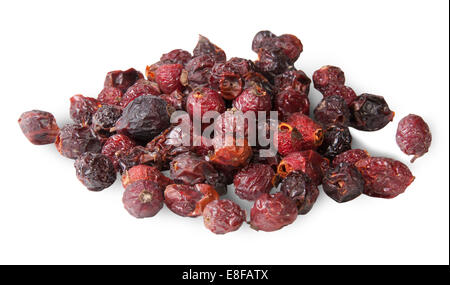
(51, 50)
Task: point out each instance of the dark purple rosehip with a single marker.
(39, 127)
(343, 183)
(96, 171)
(299, 187)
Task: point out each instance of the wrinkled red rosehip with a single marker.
(39, 127)
(253, 181)
(187, 200)
(95, 171)
(299, 187)
(143, 199)
(413, 136)
(223, 216)
(114, 144)
(145, 172)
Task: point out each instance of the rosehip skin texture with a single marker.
(290, 101)
(171, 77)
(336, 140)
(308, 161)
(384, 177)
(115, 143)
(105, 118)
(271, 212)
(74, 140)
(343, 183)
(350, 156)
(370, 113)
(39, 127)
(326, 76)
(95, 171)
(145, 172)
(110, 96)
(413, 136)
(332, 110)
(82, 109)
(189, 201)
(143, 199)
(253, 181)
(122, 79)
(223, 216)
(299, 187)
(204, 100)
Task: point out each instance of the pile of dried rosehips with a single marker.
(128, 129)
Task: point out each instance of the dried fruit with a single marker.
(342, 91)
(171, 77)
(260, 39)
(311, 132)
(384, 177)
(39, 127)
(82, 109)
(332, 110)
(230, 152)
(271, 212)
(140, 88)
(145, 172)
(95, 171)
(144, 118)
(105, 118)
(343, 183)
(74, 140)
(199, 70)
(253, 181)
(143, 199)
(132, 157)
(413, 136)
(189, 201)
(122, 79)
(328, 76)
(114, 144)
(295, 79)
(176, 56)
(205, 47)
(309, 161)
(336, 140)
(350, 156)
(253, 99)
(110, 96)
(288, 139)
(231, 122)
(299, 187)
(370, 113)
(289, 101)
(204, 100)
(223, 216)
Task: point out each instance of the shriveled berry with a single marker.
(115, 143)
(143, 199)
(144, 118)
(176, 56)
(145, 172)
(223, 216)
(289, 101)
(199, 70)
(299, 187)
(253, 99)
(343, 183)
(336, 140)
(413, 136)
(253, 181)
(231, 152)
(370, 113)
(231, 122)
(290, 45)
(204, 100)
(384, 177)
(311, 132)
(327, 76)
(332, 110)
(309, 161)
(140, 88)
(171, 77)
(350, 156)
(82, 109)
(257, 80)
(295, 79)
(95, 171)
(110, 96)
(271, 212)
(122, 79)
(272, 61)
(187, 200)
(205, 47)
(39, 127)
(105, 118)
(261, 38)
(345, 92)
(288, 139)
(135, 156)
(176, 99)
(226, 81)
(74, 140)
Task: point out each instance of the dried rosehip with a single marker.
(171, 77)
(336, 140)
(82, 109)
(271, 212)
(290, 101)
(205, 47)
(258, 81)
(384, 177)
(105, 118)
(328, 76)
(39, 127)
(272, 61)
(176, 56)
(260, 39)
(253, 181)
(413, 136)
(189, 201)
(295, 79)
(122, 79)
(135, 156)
(299, 187)
(342, 91)
(223, 216)
(95, 171)
(311, 132)
(143, 199)
(204, 99)
(288, 139)
(190, 169)
(272, 161)
(290, 45)
(140, 88)
(145, 172)
(309, 161)
(350, 156)
(332, 110)
(229, 85)
(110, 96)
(74, 140)
(343, 183)
(230, 152)
(253, 99)
(115, 143)
(199, 70)
(144, 118)
(370, 113)
(176, 99)
(231, 122)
